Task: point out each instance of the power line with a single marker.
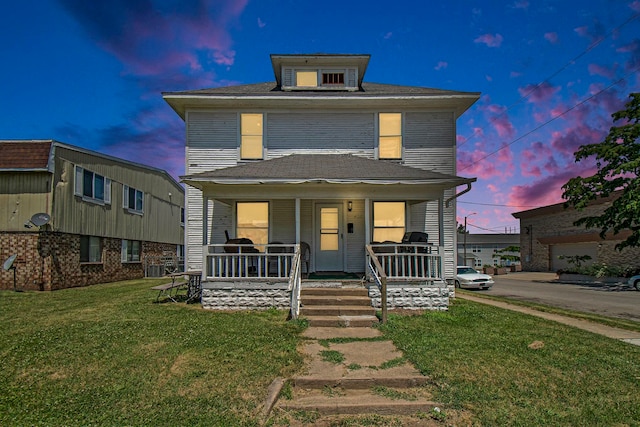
(551, 119)
(546, 80)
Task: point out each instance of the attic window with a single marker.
(307, 78)
(332, 78)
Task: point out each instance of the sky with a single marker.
(550, 74)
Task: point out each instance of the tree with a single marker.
(618, 164)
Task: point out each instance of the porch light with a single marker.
(349, 205)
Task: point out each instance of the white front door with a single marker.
(328, 247)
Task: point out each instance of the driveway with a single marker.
(613, 300)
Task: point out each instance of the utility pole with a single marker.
(464, 241)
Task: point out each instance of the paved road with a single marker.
(614, 300)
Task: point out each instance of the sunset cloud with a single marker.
(490, 40)
(551, 37)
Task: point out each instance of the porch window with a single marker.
(388, 221)
(390, 136)
(251, 142)
(252, 221)
(307, 78)
(90, 249)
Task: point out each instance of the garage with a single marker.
(571, 250)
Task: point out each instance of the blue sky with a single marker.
(551, 73)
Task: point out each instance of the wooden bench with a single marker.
(168, 288)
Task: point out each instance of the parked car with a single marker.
(467, 277)
(635, 282)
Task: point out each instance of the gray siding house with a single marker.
(322, 162)
(74, 217)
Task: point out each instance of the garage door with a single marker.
(572, 249)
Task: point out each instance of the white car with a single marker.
(635, 282)
(467, 277)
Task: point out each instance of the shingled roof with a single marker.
(27, 155)
(333, 168)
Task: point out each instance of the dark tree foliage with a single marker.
(618, 163)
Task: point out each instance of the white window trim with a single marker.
(78, 188)
(124, 252)
(125, 200)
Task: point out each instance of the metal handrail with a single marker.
(295, 284)
(380, 277)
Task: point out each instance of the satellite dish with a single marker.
(40, 219)
(8, 264)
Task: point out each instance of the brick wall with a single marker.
(537, 231)
(50, 261)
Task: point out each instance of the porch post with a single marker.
(205, 220)
(440, 223)
(367, 232)
(297, 220)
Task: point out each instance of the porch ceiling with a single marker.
(337, 171)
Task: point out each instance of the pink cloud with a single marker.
(261, 24)
(441, 65)
(635, 6)
(521, 4)
(551, 37)
(490, 40)
(600, 70)
(543, 92)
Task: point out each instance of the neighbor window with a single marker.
(388, 221)
(251, 136)
(390, 132)
(131, 250)
(133, 199)
(252, 221)
(90, 249)
(307, 78)
(92, 186)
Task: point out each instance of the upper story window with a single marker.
(307, 78)
(182, 217)
(133, 200)
(388, 221)
(91, 186)
(333, 78)
(251, 141)
(90, 249)
(390, 136)
(252, 221)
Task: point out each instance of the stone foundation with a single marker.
(245, 296)
(413, 296)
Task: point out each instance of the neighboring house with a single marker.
(487, 249)
(103, 219)
(321, 157)
(549, 238)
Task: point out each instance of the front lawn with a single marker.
(108, 355)
(507, 368)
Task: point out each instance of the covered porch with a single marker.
(322, 213)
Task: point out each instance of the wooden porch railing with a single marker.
(409, 261)
(248, 261)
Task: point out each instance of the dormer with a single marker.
(319, 72)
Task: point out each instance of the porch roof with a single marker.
(324, 168)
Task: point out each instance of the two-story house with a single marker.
(322, 159)
(74, 217)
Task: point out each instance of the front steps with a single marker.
(337, 306)
(372, 377)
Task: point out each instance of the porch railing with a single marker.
(295, 283)
(408, 261)
(380, 278)
(248, 261)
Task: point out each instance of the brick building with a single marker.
(548, 233)
(73, 217)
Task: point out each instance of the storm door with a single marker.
(329, 251)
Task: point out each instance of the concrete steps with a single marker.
(337, 306)
(371, 378)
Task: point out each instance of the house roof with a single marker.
(270, 91)
(25, 155)
(328, 168)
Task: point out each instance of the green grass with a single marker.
(615, 322)
(108, 355)
(479, 359)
